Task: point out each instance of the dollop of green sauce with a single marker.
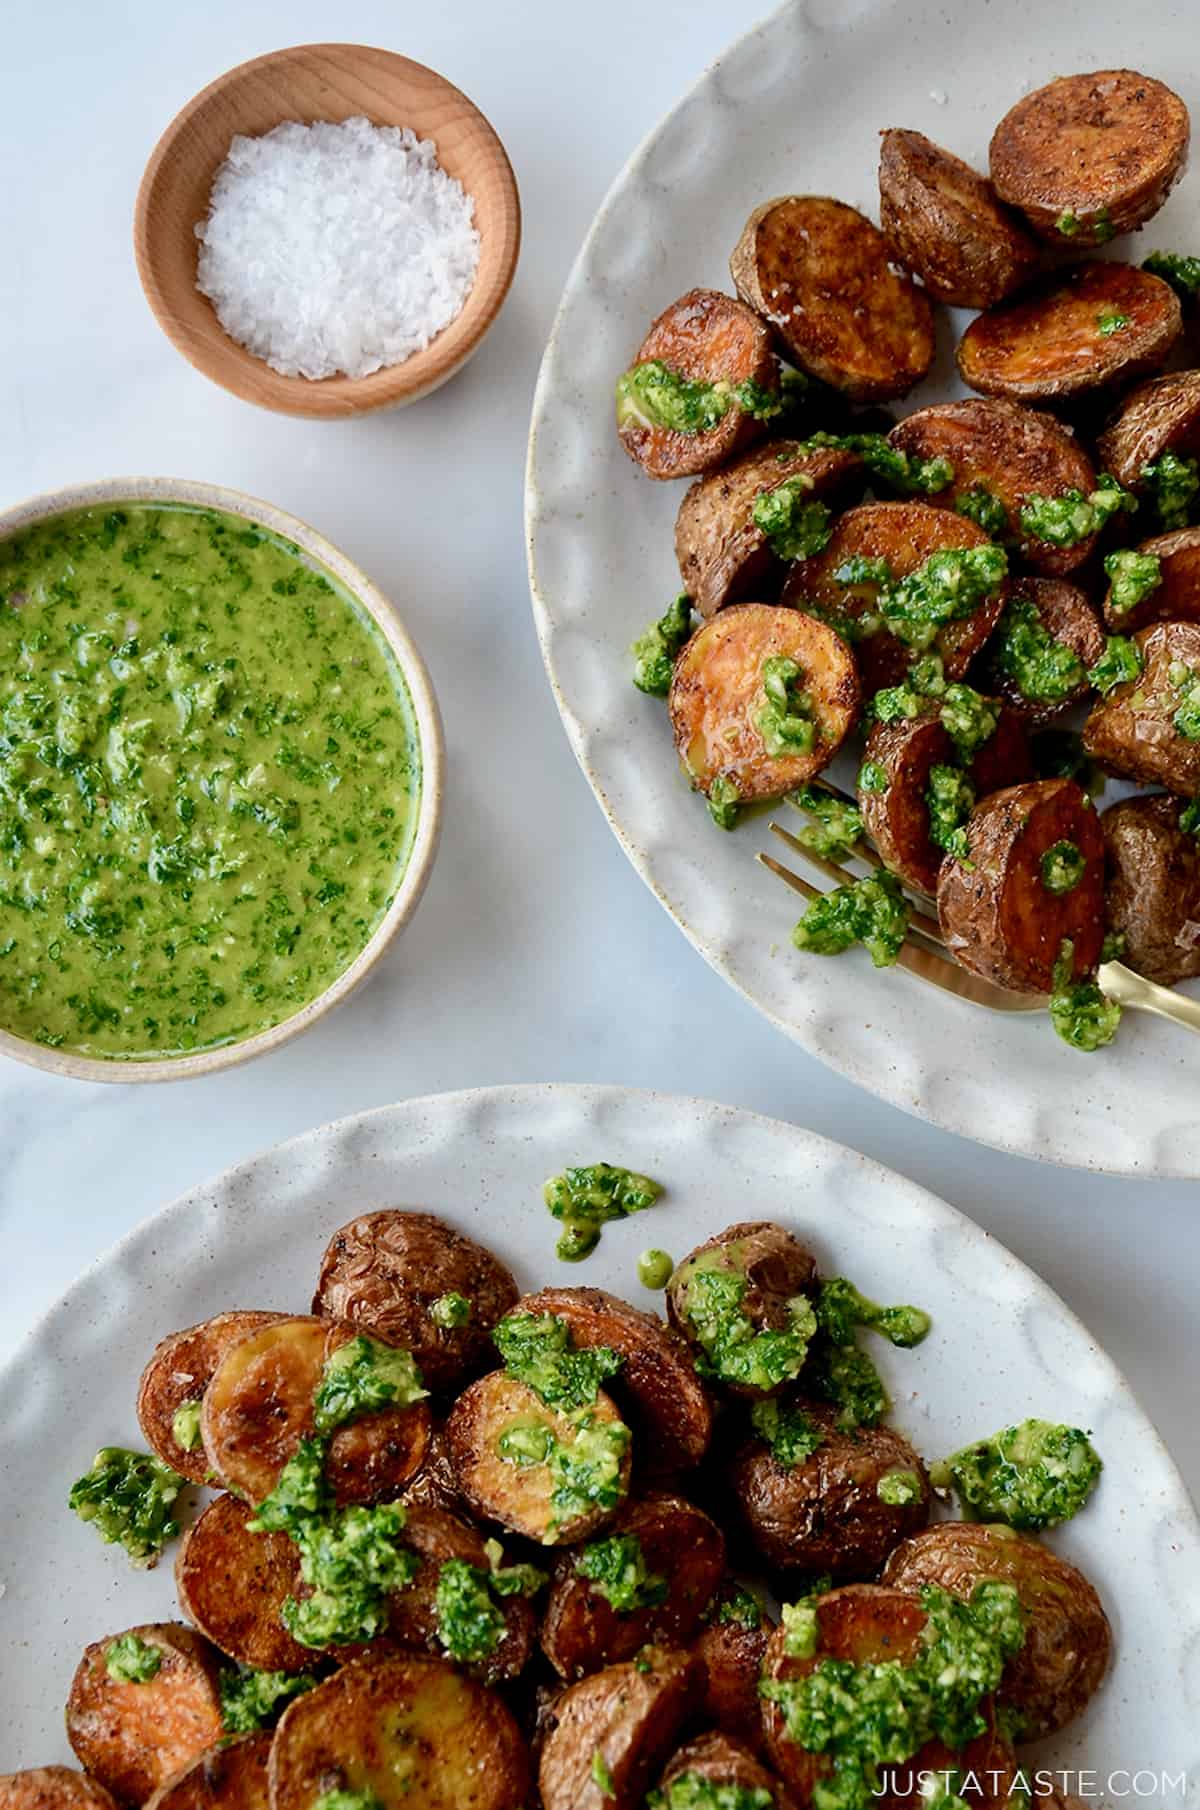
(1185, 681)
(652, 395)
(1042, 669)
(872, 777)
(185, 1425)
(951, 584)
(361, 1377)
(1181, 272)
(842, 1308)
(712, 1288)
(983, 507)
(1079, 1011)
(968, 717)
(898, 1488)
(209, 776)
(131, 1660)
(785, 719)
(1133, 576)
(1172, 484)
(949, 799)
(742, 1608)
(587, 1198)
(1032, 1476)
(655, 1268)
(585, 1469)
(724, 802)
(655, 652)
(787, 1430)
(451, 1312)
(845, 1376)
(617, 1570)
(795, 526)
(127, 1497)
(1062, 867)
(924, 477)
(694, 1791)
(539, 1350)
(469, 1625)
(836, 826)
(1118, 664)
(1111, 322)
(872, 911)
(1067, 519)
(252, 1699)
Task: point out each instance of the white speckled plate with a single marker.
(798, 105)
(1003, 1346)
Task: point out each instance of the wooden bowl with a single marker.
(411, 883)
(308, 83)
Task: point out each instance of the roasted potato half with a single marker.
(656, 1389)
(684, 1551)
(732, 1650)
(52, 1788)
(405, 1729)
(774, 1267)
(1038, 689)
(384, 1273)
(619, 1725)
(435, 1537)
(1139, 731)
(180, 1369)
(1153, 887)
(726, 1764)
(233, 1584)
(132, 1737)
(1160, 416)
(519, 1488)
(825, 1515)
(260, 1405)
(1176, 596)
(944, 221)
(1068, 1640)
(232, 1776)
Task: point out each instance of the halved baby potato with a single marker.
(132, 1737)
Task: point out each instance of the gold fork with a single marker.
(922, 952)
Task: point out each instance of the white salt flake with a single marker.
(336, 248)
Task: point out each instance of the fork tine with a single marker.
(914, 956)
(920, 920)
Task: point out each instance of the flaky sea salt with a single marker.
(336, 248)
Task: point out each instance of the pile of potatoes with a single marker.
(1063, 394)
(578, 1706)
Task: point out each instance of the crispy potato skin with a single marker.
(259, 1406)
(383, 1272)
(436, 1536)
(629, 1717)
(1066, 614)
(906, 535)
(52, 1788)
(724, 1761)
(897, 820)
(180, 1369)
(582, 1632)
(1153, 888)
(775, 1264)
(1131, 732)
(723, 555)
(1006, 758)
(1110, 144)
(866, 1623)
(408, 1729)
(1013, 451)
(436, 1483)
(996, 915)
(824, 1515)
(233, 1584)
(1176, 598)
(134, 1737)
(716, 695)
(705, 336)
(821, 274)
(1160, 416)
(1048, 345)
(515, 1495)
(733, 1657)
(230, 1777)
(944, 221)
(1068, 1641)
(656, 1389)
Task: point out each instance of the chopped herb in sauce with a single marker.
(655, 1268)
(1182, 273)
(950, 799)
(1032, 1476)
(742, 1608)
(361, 1377)
(872, 911)
(353, 1560)
(1118, 664)
(837, 826)
(587, 1472)
(724, 802)
(469, 1625)
(1185, 681)
(539, 1351)
(841, 1309)
(983, 507)
(801, 1629)
(209, 777)
(695, 1791)
(251, 1699)
(347, 1800)
(131, 1660)
(617, 1570)
(787, 1429)
(127, 1497)
(1043, 670)
(1067, 519)
(1172, 483)
(655, 652)
(883, 460)
(511, 1580)
(451, 1312)
(785, 720)
(845, 1376)
(1110, 322)
(795, 526)
(1062, 867)
(586, 1199)
(897, 1489)
(1079, 1012)
(1067, 224)
(1133, 577)
(185, 1425)
(733, 1350)
(951, 584)
(652, 395)
(300, 1491)
(872, 777)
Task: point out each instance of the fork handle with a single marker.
(1122, 985)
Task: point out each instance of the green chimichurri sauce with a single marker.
(209, 778)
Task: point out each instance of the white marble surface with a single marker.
(536, 954)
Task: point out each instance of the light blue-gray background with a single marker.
(536, 954)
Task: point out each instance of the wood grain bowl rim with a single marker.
(429, 741)
(188, 318)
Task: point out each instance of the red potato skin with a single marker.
(733, 1656)
(997, 917)
(703, 336)
(1131, 731)
(724, 1762)
(629, 1716)
(134, 1737)
(233, 1584)
(1011, 450)
(1005, 759)
(1047, 346)
(232, 1776)
(53, 1788)
(1160, 416)
(180, 1369)
(869, 1624)
(1153, 890)
(1106, 147)
(905, 534)
(1066, 614)
(1176, 597)
(944, 221)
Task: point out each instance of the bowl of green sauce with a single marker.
(220, 779)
